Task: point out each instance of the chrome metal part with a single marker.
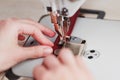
(75, 44)
(61, 22)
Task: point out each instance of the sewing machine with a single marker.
(103, 44)
(61, 18)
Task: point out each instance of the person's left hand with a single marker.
(11, 53)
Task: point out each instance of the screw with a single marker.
(92, 51)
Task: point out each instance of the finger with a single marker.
(44, 29)
(35, 32)
(33, 52)
(51, 62)
(66, 57)
(83, 68)
(80, 62)
(47, 31)
(39, 71)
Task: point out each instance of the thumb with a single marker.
(34, 52)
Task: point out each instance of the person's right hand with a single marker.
(65, 67)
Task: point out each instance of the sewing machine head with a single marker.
(60, 13)
(58, 6)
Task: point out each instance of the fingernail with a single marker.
(48, 50)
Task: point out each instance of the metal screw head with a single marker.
(65, 11)
(92, 54)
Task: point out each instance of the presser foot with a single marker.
(75, 44)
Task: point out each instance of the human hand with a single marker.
(11, 53)
(65, 67)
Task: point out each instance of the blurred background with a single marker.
(34, 9)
